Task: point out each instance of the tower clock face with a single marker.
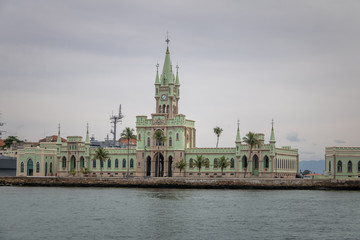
(163, 97)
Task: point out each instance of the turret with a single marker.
(272, 140)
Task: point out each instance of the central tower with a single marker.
(167, 87)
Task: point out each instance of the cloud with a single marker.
(294, 137)
(307, 153)
(339, 141)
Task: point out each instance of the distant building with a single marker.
(150, 158)
(342, 162)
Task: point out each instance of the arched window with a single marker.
(148, 142)
(191, 163)
(164, 108)
(329, 166)
(109, 163)
(177, 136)
(64, 162)
(131, 163)
(207, 163)
(37, 167)
(160, 109)
(82, 162)
(215, 163)
(51, 167)
(170, 142)
(244, 162)
(232, 163)
(339, 166)
(256, 162)
(167, 109)
(349, 166)
(101, 164)
(116, 163)
(94, 163)
(22, 167)
(359, 166)
(139, 137)
(266, 162)
(124, 163)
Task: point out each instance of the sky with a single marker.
(74, 62)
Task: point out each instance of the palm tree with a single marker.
(101, 154)
(181, 165)
(128, 134)
(251, 140)
(159, 139)
(223, 163)
(199, 162)
(217, 132)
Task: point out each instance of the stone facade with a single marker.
(158, 159)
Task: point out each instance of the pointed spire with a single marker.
(157, 81)
(167, 74)
(272, 136)
(87, 139)
(238, 138)
(59, 137)
(177, 82)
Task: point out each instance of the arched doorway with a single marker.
(255, 161)
(148, 166)
(30, 167)
(159, 165)
(45, 169)
(72, 163)
(170, 166)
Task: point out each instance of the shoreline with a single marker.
(185, 183)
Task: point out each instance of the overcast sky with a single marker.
(73, 62)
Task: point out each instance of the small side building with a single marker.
(342, 162)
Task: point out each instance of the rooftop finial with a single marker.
(177, 68)
(167, 38)
(157, 66)
(238, 123)
(272, 123)
(59, 128)
(87, 127)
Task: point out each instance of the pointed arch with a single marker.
(63, 162)
(349, 165)
(116, 163)
(22, 167)
(266, 162)
(131, 163)
(109, 163)
(339, 166)
(82, 162)
(170, 166)
(244, 162)
(255, 160)
(232, 163)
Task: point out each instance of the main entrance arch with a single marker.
(72, 163)
(255, 161)
(159, 165)
(30, 167)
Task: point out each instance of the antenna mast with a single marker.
(114, 119)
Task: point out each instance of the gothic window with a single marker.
(22, 167)
(232, 163)
(266, 161)
(94, 163)
(37, 167)
(359, 166)
(139, 137)
(256, 162)
(215, 163)
(170, 142)
(82, 162)
(131, 163)
(191, 163)
(116, 163)
(177, 136)
(148, 142)
(109, 163)
(51, 167)
(329, 166)
(160, 109)
(339, 166)
(244, 162)
(101, 164)
(64, 162)
(207, 163)
(349, 166)
(164, 108)
(124, 163)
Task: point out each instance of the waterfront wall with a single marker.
(225, 183)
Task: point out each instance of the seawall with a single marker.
(222, 183)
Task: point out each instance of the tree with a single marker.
(199, 162)
(101, 154)
(181, 165)
(251, 140)
(160, 139)
(10, 140)
(223, 163)
(128, 134)
(217, 131)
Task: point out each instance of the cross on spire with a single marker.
(157, 67)
(238, 123)
(177, 68)
(167, 38)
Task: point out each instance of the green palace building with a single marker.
(154, 159)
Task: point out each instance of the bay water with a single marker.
(132, 213)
